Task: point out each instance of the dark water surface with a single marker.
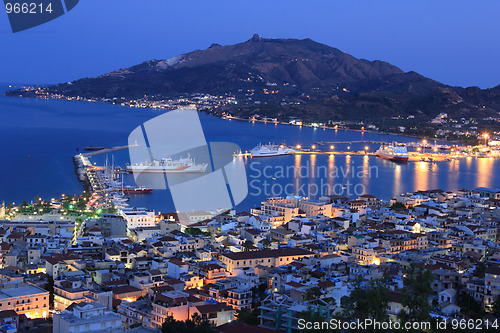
(39, 138)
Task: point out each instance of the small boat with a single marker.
(136, 189)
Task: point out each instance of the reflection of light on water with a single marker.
(331, 165)
(484, 172)
(433, 176)
(297, 171)
(421, 176)
(315, 175)
(397, 180)
(348, 166)
(366, 174)
(312, 173)
(453, 168)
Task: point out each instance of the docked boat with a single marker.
(269, 150)
(169, 165)
(393, 153)
(136, 189)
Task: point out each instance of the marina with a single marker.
(430, 167)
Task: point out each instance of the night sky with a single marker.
(452, 41)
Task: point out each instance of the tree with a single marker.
(195, 231)
(248, 316)
(368, 301)
(495, 309)
(480, 270)
(469, 307)
(266, 243)
(398, 205)
(50, 288)
(194, 325)
(312, 294)
(418, 287)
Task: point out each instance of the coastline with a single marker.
(208, 112)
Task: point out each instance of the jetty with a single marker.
(107, 150)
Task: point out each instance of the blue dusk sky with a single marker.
(452, 41)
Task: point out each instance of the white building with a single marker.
(87, 317)
(139, 218)
(24, 298)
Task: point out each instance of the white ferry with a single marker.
(269, 150)
(393, 153)
(182, 165)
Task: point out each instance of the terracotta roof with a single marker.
(326, 284)
(395, 297)
(495, 270)
(210, 308)
(177, 262)
(125, 290)
(8, 314)
(173, 281)
(285, 252)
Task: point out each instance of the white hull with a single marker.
(167, 165)
(155, 169)
(393, 153)
(259, 154)
(269, 150)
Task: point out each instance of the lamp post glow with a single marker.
(486, 136)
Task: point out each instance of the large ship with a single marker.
(182, 165)
(393, 153)
(269, 150)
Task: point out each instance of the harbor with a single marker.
(434, 153)
(104, 181)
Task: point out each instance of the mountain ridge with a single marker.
(301, 74)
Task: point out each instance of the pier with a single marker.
(88, 173)
(107, 150)
(414, 157)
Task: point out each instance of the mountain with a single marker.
(287, 77)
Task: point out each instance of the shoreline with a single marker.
(440, 140)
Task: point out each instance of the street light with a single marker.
(486, 136)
